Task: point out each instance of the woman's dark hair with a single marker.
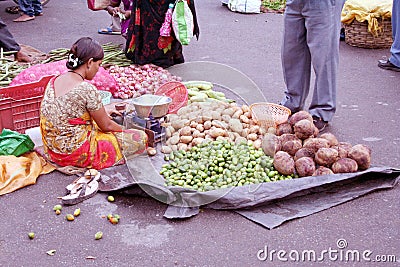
(83, 50)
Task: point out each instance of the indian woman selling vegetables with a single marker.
(144, 44)
(75, 126)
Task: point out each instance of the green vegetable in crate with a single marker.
(219, 164)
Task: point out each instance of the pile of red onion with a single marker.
(136, 80)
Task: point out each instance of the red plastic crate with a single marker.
(20, 105)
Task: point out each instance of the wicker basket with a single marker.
(356, 34)
(269, 114)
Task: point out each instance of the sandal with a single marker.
(12, 9)
(85, 191)
(89, 175)
(108, 30)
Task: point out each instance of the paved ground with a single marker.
(368, 112)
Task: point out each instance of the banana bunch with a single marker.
(202, 91)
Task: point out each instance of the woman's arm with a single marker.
(113, 8)
(104, 122)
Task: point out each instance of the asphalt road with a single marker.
(368, 112)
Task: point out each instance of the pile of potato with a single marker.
(209, 121)
(298, 148)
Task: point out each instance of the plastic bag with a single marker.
(245, 6)
(14, 143)
(182, 22)
(98, 4)
(103, 80)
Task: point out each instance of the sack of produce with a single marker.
(103, 80)
(245, 6)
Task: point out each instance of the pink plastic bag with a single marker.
(103, 79)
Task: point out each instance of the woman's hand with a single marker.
(103, 120)
(110, 109)
(123, 15)
(117, 10)
(111, 10)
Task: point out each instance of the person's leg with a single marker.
(323, 37)
(296, 60)
(115, 21)
(7, 41)
(115, 24)
(37, 7)
(395, 49)
(26, 7)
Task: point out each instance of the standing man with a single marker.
(8, 43)
(393, 63)
(311, 38)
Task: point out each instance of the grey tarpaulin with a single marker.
(268, 204)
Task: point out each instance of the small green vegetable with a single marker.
(57, 207)
(70, 217)
(219, 164)
(77, 212)
(98, 235)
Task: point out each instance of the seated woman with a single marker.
(144, 45)
(76, 128)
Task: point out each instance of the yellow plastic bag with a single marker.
(18, 172)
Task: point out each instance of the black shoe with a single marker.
(320, 124)
(387, 65)
(342, 34)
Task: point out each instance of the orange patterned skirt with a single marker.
(103, 150)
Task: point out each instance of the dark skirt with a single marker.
(144, 44)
